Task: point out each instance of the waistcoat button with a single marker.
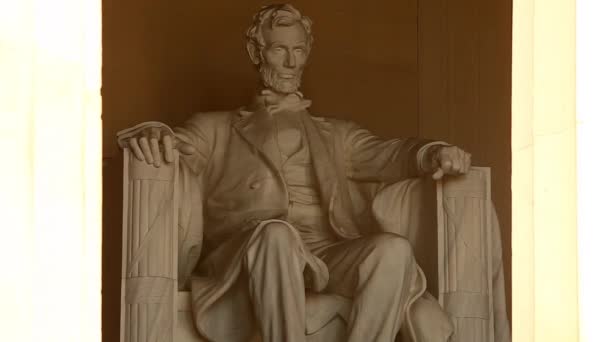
(254, 185)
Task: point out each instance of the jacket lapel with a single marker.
(331, 175)
(325, 130)
(257, 129)
(254, 126)
(320, 140)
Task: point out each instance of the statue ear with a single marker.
(254, 53)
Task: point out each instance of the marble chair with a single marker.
(451, 225)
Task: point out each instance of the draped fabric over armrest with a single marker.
(409, 208)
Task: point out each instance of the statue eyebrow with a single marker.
(277, 44)
(283, 45)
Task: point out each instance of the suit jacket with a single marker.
(236, 165)
(232, 183)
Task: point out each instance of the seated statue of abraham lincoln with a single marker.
(273, 187)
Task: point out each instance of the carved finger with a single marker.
(145, 147)
(438, 174)
(155, 151)
(467, 164)
(462, 161)
(168, 148)
(456, 166)
(153, 133)
(446, 165)
(135, 149)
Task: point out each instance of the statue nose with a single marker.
(290, 60)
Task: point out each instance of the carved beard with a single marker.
(271, 79)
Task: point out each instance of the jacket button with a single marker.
(254, 185)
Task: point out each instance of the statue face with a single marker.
(284, 58)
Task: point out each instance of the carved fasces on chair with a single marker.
(149, 253)
(464, 254)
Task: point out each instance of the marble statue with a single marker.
(275, 210)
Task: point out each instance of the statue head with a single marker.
(278, 43)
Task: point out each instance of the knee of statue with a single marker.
(392, 248)
(277, 234)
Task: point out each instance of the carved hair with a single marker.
(273, 16)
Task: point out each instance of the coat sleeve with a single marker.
(199, 131)
(371, 158)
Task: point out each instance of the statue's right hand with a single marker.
(150, 143)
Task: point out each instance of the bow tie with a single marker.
(275, 103)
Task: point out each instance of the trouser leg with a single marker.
(276, 284)
(377, 272)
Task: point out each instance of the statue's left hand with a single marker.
(450, 160)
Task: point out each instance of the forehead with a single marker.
(293, 34)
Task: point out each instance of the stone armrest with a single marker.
(149, 248)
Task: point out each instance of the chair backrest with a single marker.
(407, 208)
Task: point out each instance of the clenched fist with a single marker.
(450, 160)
